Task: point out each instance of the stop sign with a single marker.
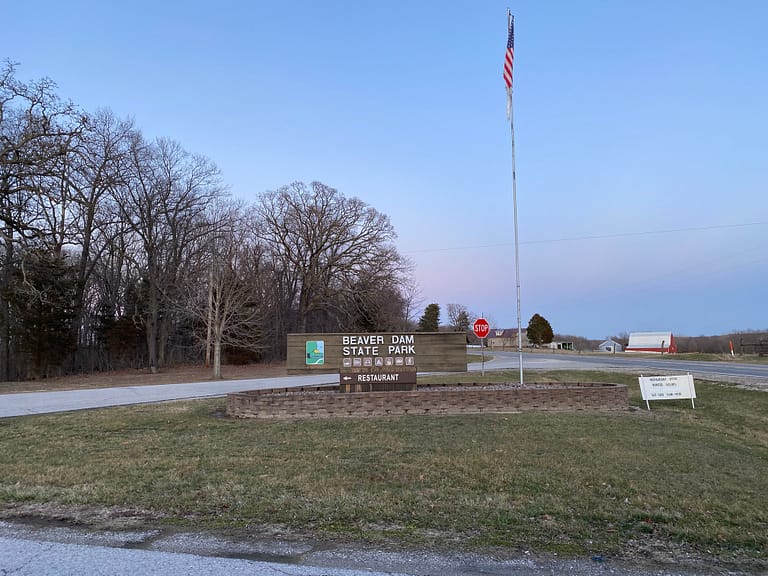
(481, 327)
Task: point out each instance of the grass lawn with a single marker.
(571, 483)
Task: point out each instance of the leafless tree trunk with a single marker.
(209, 318)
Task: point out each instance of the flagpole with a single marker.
(510, 27)
(517, 244)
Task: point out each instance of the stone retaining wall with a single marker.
(328, 402)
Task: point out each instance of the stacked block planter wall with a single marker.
(474, 398)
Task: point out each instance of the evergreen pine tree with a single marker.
(430, 320)
(539, 331)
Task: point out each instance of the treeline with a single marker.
(118, 251)
(749, 342)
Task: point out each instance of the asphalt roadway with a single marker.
(28, 549)
(28, 403)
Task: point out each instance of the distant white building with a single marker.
(560, 345)
(662, 342)
(610, 345)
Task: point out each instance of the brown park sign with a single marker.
(378, 352)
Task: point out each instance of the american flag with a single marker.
(509, 57)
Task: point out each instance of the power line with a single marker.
(594, 237)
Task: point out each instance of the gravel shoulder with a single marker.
(140, 530)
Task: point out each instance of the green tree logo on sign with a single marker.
(315, 352)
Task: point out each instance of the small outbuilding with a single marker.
(560, 345)
(661, 342)
(610, 345)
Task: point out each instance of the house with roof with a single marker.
(661, 342)
(505, 338)
(610, 345)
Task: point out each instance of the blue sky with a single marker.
(641, 133)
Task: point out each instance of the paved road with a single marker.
(28, 403)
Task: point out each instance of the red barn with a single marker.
(652, 342)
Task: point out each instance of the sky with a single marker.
(640, 131)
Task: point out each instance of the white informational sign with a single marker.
(667, 388)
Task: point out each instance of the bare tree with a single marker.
(373, 299)
(230, 299)
(35, 130)
(413, 301)
(77, 200)
(166, 204)
(459, 317)
(320, 241)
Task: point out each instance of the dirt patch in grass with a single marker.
(89, 516)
